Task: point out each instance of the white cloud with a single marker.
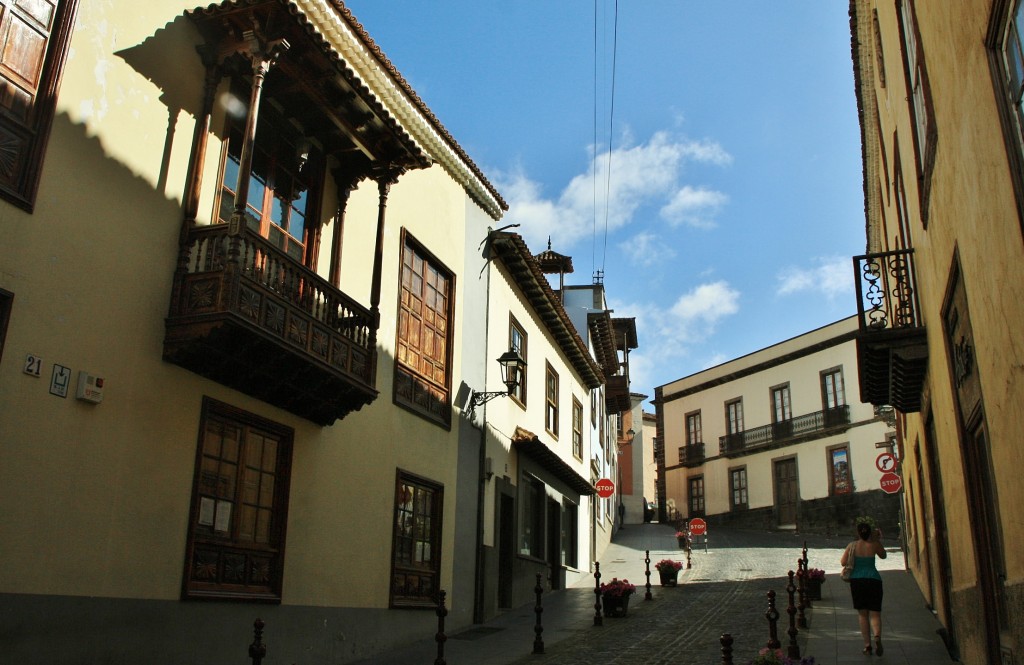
(646, 249)
(694, 206)
(633, 176)
(831, 277)
(667, 335)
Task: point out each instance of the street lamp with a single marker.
(512, 366)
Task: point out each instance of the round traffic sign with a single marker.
(698, 527)
(891, 483)
(605, 488)
(886, 462)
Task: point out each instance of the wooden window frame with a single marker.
(783, 390)
(694, 435)
(919, 97)
(695, 499)
(734, 473)
(23, 140)
(231, 567)
(423, 395)
(275, 153)
(577, 428)
(551, 400)
(840, 390)
(532, 532)
(417, 538)
(833, 488)
(1011, 111)
(6, 306)
(738, 403)
(522, 348)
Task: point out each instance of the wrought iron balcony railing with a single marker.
(886, 290)
(692, 454)
(785, 431)
(892, 348)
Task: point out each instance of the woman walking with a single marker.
(866, 584)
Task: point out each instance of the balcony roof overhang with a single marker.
(336, 79)
(528, 444)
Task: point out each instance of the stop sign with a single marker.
(891, 483)
(698, 527)
(605, 488)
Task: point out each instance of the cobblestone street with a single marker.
(724, 592)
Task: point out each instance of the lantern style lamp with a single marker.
(512, 366)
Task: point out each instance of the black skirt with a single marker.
(867, 594)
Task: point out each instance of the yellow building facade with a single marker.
(940, 293)
(233, 321)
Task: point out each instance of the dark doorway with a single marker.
(506, 550)
(555, 543)
(787, 491)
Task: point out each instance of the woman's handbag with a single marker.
(848, 568)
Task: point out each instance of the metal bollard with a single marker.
(726, 642)
(440, 637)
(688, 564)
(805, 594)
(647, 563)
(257, 650)
(772, 615)
(801, 621)
(598, 621)
(805, 555)
(794, 648)
(538, 642)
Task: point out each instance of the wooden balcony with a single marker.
(616, 394)
(892, 347)
(245, 314)
(786, 432)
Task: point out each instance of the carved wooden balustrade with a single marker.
(249, 316)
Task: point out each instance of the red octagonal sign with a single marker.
(605, 488)
(698, 527)
(891, 483)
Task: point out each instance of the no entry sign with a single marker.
(891, 483)
(605, 488)
(698, 527)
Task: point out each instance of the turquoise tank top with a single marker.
(864, 568)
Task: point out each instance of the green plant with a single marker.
(868, 519)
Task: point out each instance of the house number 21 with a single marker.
(33, 365)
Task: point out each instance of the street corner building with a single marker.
(940, 297)
(774, 440)
(247, 341)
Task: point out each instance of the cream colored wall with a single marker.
(105, 489)
(504, 415)
(972, 212)
(803, 376)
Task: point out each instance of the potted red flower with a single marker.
(668, 570)
(615, 596)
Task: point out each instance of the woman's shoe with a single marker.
(867, 650)
(878, 646)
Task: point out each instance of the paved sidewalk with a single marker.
(724, 591)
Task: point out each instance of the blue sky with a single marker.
(736, 197)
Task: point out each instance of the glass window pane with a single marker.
(257, 190)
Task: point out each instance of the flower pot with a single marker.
(669, 577)
(616, 606)
(812, 589)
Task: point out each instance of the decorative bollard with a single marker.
(772, 615)
(257, 650)
(647, 563)
(726, 642)
(538, 628)
(801, 621)
(440, 637)
(805, 593)
(598, 621)
(688, 564)
(805, 555)
(794, 648)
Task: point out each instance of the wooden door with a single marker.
(787, 492)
